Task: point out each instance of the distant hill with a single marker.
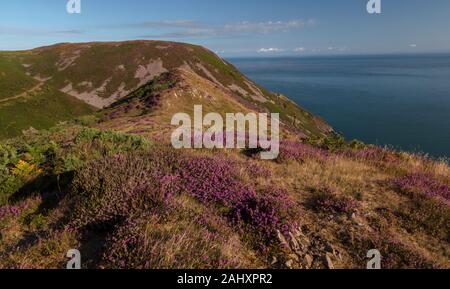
(100, 74)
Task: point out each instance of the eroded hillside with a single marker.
(100, 74)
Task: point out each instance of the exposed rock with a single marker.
(328, 261)
(294, 243)
(289, 264)
(308, 260)
(282, 239)
(274, 260)
(145, 73)
(329, 248)
(294, 257)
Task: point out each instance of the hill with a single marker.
(100, 74)
(110, 184)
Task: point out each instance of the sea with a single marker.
(400, 101)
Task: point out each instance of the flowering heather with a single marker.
(116, 187)
(426, 184)
(296, 151)
(395, 254)
(328, 201)
(124, 248)
(222, 138)
(371, 153)
(256, 171)
(269, 211)
(214, 181)
(189, 241)
(12, 210)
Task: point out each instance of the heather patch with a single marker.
(426, 214)
(296, 151)
(182, 240)
(215, 181)
(425, 184)
(113, 188)
(327, 201)
(371, 154)
(13, 211)
(266, 213)
(395, 254)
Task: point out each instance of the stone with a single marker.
(294, 244)
(282, 239)
(293, 257)
(274, 260)
(289, 264)
(308, 261)
(328, 262)
(329, 248)
(305, 229)
(298, 232)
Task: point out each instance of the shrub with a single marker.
(267, 212)
(113, 188)
(326, 200)
(394, 253)
(295, 151)
(12, 210)
(179, 241)
(371, 154)
(357, 144)
(114, 141)
(215, 181)
(24, 169)
(425, 184)
(330, 142)
(428, 214)
(8, 155)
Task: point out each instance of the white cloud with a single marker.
(38, 31)
(299, 49)
(413, 45)
(268, 26)
(188, 28)
(269, 50)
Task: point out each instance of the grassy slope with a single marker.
(345, 203)
(13, 79)
(345, 198)
(40, 109)
(108, 57)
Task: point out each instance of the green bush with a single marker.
(330, 142)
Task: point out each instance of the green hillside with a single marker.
(102, 73)
(40, 109)
(13, 78)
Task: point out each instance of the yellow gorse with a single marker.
(24, 169)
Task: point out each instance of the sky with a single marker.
(235, 27)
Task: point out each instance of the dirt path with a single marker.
(38, 86)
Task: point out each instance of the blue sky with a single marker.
(235, 27)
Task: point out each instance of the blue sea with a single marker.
(398, 100)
